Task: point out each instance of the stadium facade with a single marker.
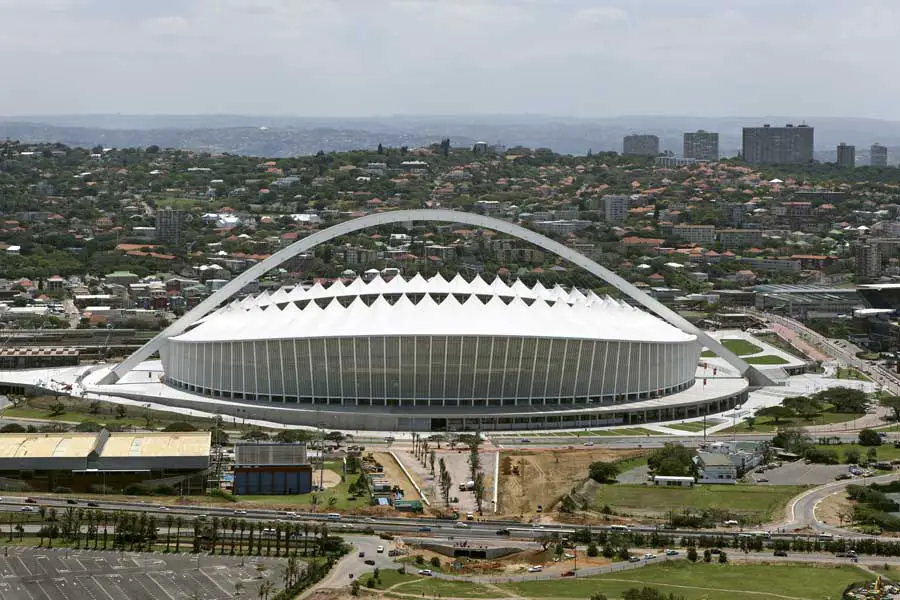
(436, 354)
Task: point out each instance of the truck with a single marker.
(467, 486)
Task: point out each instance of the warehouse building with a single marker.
(271, 469)
(45, 461)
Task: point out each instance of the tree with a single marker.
(723, 558)
(776, 413)
(255, 435)
(672, 460)
(707, 555)
(750, 421)
(851, 456)
(479, 490)
(592, 550)
(57, 408)
(121, 411)
(603, 472)
(179, 426)
(692, 554)
(94, 407)
(869, 437)
(431, 457)
(12, 428)
(893, 403)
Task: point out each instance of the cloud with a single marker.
(359, 57)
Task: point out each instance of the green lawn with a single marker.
(627, 431)
(851, 374)
(767, 424)
(340, 493)
(388, 578)
(428, 586)
(758, 502)
(766, 359)
(693, 425)
(706, 582)
(740, 347)
(885, 451)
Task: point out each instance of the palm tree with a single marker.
(179, 521)
(315, 534)
(170, 520)
(215, 533)
(241, 539)
(106, 518)
(289, 530)
(225, 523)
(305, 538)
(51, 516)
(234, 525)
(278, 531)
(250, 526)
(265, 588)
(42, 511)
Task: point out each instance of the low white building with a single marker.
(673, 481)
(715, 468)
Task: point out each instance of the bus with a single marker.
(334, 516)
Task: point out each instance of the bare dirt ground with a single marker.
(329, 479)
(544, 476)
(394, 474)
(836, 504)
(510, 565)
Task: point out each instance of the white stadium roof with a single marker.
(431, 307)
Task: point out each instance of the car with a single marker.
(362, 554)
(780, 553)
(163, 508)
(93, 504)
(425, 529)
(461, 525)
(369, 561)
(634, 559)
(201, 518)
(30, 501)
(535, 569)
(569, 574)
(762, 480)
(524, 441)
(730, 523)
(28, 509)
(380, 549)
(670, 552)
(71, 501)
(649, 556)
(503, 531)
(240, 512)
(715, 551)
(842, 476)
(588, 444)
(426, 572)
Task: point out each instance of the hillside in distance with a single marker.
(291, 136)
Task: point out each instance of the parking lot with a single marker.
(51, 574)
(798, 473)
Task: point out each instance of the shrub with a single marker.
(436, 562)
(869, 437)
(592, 550)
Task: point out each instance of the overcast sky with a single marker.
(388, 57)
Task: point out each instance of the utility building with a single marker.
(271, 469)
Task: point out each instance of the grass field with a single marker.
(851, 374)
(740, 347)
(765, 359)
(706, 582)
(388, 577)
(427, 586)
(885, 451)
(340, 493)
(766, 424)
(693, 425)
(757, 502)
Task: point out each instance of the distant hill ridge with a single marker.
(290, 136)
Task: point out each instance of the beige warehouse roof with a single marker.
(79, 445)
(46, 445)
(157, 444)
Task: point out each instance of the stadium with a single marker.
(417, 354)
(432, 343)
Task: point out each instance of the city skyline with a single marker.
(327, 58)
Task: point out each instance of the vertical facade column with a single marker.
(281, 368)
(312, 381)
(519, 370)
(296, 390)
(577, 370)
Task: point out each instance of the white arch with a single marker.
(400, 216)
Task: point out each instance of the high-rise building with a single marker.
(640, 145)
(702, 145)
(868, 260)
(615, 208)
(169, 225)
(846, 155)
(778, 145)
(878, 155)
